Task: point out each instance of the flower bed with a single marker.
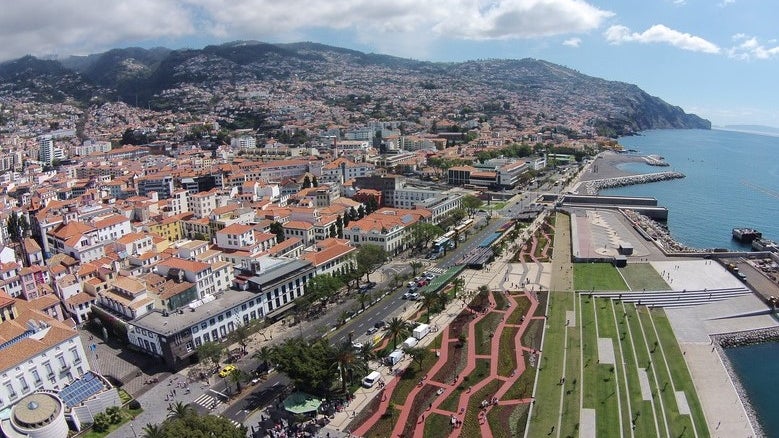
(523, 387)
(383, 427)
(454, 365)
(471, 426)
(508, 421)
(501, 303)
(523, 304)
(542, 298)
(436, 425)
(460, 325)
(507, 361)
(484, 329)
(532, 336)
(421, 402)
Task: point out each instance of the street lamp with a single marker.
(132, 427)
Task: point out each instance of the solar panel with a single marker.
(81, 389)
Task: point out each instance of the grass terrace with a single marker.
(597, 276)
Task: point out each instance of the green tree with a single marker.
(369, 258)
(339, 227)
(314, 182)
(277, 229)
(180, 411)
(307, 364)
(371, 205)
(360, 212)
(347, 218)
(306, 182)
(471, 203)
(240, 335)
(202, 426)
(428, 300)
(362, 299)
(153, 431)
(102, 423)
(397, 328)
(113, 414)
(210, 352)
(417, 354)
(421, 233)
(266, 355)
(348, 363)
(322, 288)
(237, 376)
(333, 231)
(353, 215)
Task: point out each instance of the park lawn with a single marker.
(597, 276)
(644, 428)
(507, 354)
(642, 276)
(540, 245)
(479, 373)
(610, 384)
(678, 367)
(644, 357)
(607, 328)
(451, 402)
(547, 392)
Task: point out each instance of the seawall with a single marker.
(592, 187)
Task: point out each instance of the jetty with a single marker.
(592, 187)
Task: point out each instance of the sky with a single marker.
(715, 58)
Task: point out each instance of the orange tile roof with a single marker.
(185, 265)
(237, 229)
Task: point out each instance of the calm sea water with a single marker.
(757, 366)
(732, 181)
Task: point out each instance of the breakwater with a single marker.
(593, 186)
(655, 232)
(750, 337)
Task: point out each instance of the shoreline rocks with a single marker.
(592, 187)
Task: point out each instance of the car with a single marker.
(421, 283)
(430, 277)
(357, 345)
(413, 296)
(379, 324)
(224, 372)
(371, 331)
(412, 284)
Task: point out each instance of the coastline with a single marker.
(724, 341)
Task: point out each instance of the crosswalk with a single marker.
(235, 423)
(436, 270)
(207, 401)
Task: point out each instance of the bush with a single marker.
(102, 423)
(113, 414)
(134, 405)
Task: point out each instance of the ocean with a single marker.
(732, 181)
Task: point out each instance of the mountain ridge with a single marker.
(158, 77)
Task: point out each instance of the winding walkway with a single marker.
(445, 389)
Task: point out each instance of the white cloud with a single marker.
(660, 34)
(750, 48)
(724, 3)
(572, 42)
(81, 26)
(41, 27)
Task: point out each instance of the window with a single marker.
(23, 382)
(49, 371)
(35, 376)
(76, 357)
(62, 362)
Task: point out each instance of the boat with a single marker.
(746, 235)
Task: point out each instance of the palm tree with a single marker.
(397, 327)
(240, 335)
(180, 411)
(347, 362)
(237, 376)
(363, 298)
(428, 300)
(266, 355)
(366, 351)
(153, 431)
(415, 265)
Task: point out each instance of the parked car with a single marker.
(379, 324)
(224, 372)
(357, 345)
(371, 331)
(413, 296)
(422, 282)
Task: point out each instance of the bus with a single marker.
(464, 226)
(443, 242)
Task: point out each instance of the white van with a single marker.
(371, 379)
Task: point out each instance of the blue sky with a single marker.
(715, 58)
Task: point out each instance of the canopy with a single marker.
(300, 403)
